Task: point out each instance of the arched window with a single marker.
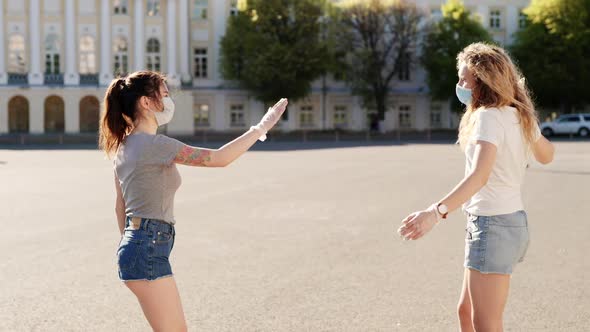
(18, 115)
(54, 120)
(89, 113)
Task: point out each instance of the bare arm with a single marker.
(119, 206)
(419, 223)
(195, 156)
(484, 157)
(543, 150)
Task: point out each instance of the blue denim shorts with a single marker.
(144, 250)
(495, 244)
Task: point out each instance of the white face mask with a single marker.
(166, 115)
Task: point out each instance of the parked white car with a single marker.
(573, 124)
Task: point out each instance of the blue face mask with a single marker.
(463, 94)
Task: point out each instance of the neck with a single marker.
(146, 126)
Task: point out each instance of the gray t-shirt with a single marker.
(148, 176)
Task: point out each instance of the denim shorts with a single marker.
(144, 250)
(495, 244)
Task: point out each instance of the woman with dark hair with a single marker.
(146, 179)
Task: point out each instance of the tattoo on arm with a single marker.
(191, 156)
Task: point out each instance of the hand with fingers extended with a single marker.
(271, 118)
(417, 224)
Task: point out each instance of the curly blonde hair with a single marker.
(498, 83)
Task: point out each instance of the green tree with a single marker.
(553, 52)
(273, 48)
(378, 36)
(443, 41)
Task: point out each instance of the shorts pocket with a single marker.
(163, 237)
(476, 243)
(128, 252)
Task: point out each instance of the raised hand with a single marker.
(271, 118)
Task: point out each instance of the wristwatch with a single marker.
(442, 210)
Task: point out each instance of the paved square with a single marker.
(286, 240)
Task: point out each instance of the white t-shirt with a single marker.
(502, 193)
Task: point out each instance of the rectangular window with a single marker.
(340, 116)
(236, 112)
(495, 19)
(405, 116)
(120, 64)
(436, 116)
(200, 62)
(522, 20)
(306, 116)
(200, 9)
(201, 112)
(153, 7)
(120, 7)
(405, 66)
(233, 9)
(51, 63)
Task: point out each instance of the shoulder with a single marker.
(165, 140)
(491, 114)
(489, 111)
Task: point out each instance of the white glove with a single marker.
(271, 118)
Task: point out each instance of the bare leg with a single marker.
(160, 302)
(489, 293)
(464, 307)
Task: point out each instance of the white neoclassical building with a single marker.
(58, 56)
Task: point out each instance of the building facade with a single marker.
(58, 56)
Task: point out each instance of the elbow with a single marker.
(545, 154)
(119, 209)
(546, 159)
(220, 164)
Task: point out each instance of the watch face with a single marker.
(443, 209)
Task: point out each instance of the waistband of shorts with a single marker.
(145, 223)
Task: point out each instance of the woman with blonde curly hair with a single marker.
(498, 133)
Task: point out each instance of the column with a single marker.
(358, 115)
(72, 113)
(512, 14)
(71, 76)
(3, 75)
(219, 13)
(5, 99)
(35, 75)
(36, 113)
(106, 70)
(422, 112)
(220, 114)
(139, 42)
(184, 42)
(172, 74)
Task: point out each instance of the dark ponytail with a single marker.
(120, 106)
